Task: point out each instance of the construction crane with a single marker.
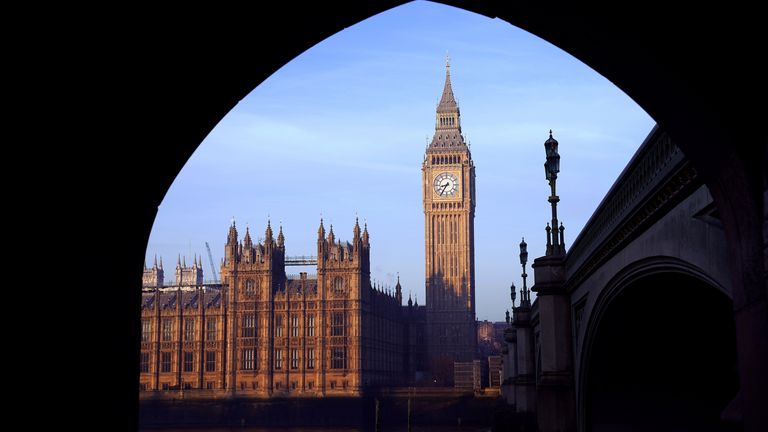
(210, 259)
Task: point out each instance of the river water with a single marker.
(330, 429)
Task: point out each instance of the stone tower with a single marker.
(153, 277)
(252, 274)
(189, 276)
(448, 190)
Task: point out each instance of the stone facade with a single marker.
(263, 334)
(448, 190)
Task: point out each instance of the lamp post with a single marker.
(555, 243)
(525, 296)
(512, 294)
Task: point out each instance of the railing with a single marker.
(294, 276)
(304, 260)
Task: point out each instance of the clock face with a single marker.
(446, 185)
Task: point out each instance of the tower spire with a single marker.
(280, 237)
(268, 232)
(448, 117)
(399, 290)
(232, 234)
(447, 101)
(247, 238)
(356, 230)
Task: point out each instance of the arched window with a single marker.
(250, 287)
(338, 285)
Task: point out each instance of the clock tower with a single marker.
(448, 190)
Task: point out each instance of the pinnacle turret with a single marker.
(268, 233)
(247, 239)
(232, 235)
(399, 290)
(280, 237)
(331, 237)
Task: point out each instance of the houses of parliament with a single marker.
(262, 333)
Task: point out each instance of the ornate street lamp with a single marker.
(525, 296)
(552, 165)
(512, 294)
(555, 245)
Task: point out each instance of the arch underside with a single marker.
(661, 356)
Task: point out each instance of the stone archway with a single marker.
(140, 101)
(660, 355)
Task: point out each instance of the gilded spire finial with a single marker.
(447, 61)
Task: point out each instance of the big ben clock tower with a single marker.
(448, 190)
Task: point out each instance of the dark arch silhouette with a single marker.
(157, 83)
(637, 322)
(651, 362)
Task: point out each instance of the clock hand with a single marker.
(444, 186)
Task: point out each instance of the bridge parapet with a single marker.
(653, 180)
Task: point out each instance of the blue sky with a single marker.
(341, 130)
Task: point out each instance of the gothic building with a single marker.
(448, 190)
(264, 334)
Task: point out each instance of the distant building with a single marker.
(490, 336)
(262, 333)
(485, 332)
(467, 375)
(494, 371)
